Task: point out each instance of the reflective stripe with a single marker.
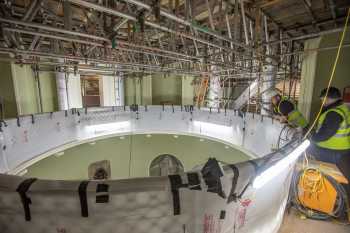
(341, 140)
(338, 135)
(345, 127)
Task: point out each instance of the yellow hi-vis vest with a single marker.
(340, 140)
(294, 118)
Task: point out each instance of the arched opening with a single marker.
(164, 165)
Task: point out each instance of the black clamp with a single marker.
(18, 122)
(193, 181)
(33, 120)
(102, 195)
(22, 190)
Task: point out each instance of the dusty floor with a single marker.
(292, 223)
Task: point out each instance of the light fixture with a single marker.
(212, 127)
(176, 136)
(122, 138)
(280, 166)
(148, 135)
(202, 139)
(92, 143)
(108, 127)
(227, 147)
(22, 173)
(59, 154)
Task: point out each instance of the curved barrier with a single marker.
(246, 197)
(28, 139)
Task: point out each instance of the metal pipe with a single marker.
(84, 59)
(53, 29)
(50, 36)
(164, 13)
(308, 36)
(48, 28)
(244, 23)
(188, 23)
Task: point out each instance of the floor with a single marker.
(293, 223)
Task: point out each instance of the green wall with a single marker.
(138, 90)
(138, 149)
(188, 92)
(166, 89)
(7, 90)
(25, 89)
(48, 91)
(324, 65)
(19, 87)
(158, 89)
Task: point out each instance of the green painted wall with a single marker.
(325, 60)
(48, 91)
(188, 91)
(166, 89)
(138, 149)
(26, 90)
(138, 90)
(7, 90)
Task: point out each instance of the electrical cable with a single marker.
(317, 186)
(332, 75)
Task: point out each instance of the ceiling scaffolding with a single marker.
(231, 40)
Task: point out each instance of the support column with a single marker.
(268, 83)
(68, 91)
(215, 90)
(119, 89)
(62, 92)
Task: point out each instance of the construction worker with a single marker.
(331, 141)
(287, 112)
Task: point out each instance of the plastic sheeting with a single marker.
(222, 201)
(144, 205)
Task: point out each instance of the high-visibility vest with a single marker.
(295, 117)
(341, 139)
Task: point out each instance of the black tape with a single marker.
(233, 195)
(26, 201)
(222, 214)
(83, 199)
(102, 195)
(211, 173)
(176, 183)
(193, 181)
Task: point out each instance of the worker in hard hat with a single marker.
(331, 140)
(286, 111)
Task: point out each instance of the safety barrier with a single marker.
(234, 198)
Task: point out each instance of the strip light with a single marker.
(211, 126)
(108, 127)
(280, 166)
